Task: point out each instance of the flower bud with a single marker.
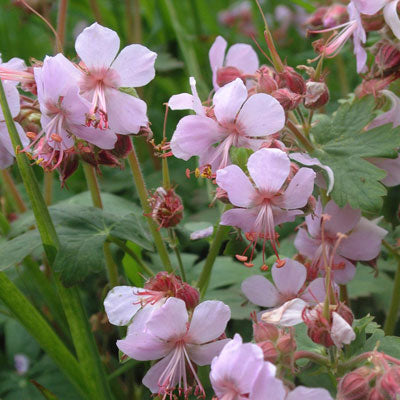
(291, 80)
(317, 95)
(373, 22)
(316, 18)
(286, 344)
(227, 74)
(287, 99)
(266, 81)
(335, 15)
(68, 166)
(354, 385)
(167, 208)
(106, 157)
(345, 313)
(374, 394)
(170, 285)
(123, 146)
(389, 384)
(269, 351)
(263, 331)
(387, 57)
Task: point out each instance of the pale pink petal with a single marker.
(194, 135)
(289, 314)
(364, 242)
(216, 56)
(315, 292)
(269, 169)
(392, 18)
(313, 220)
(243, 57)
(390, 117)
(169, 322)
(261, 115)
(228, 100)
(182, 101)
(97, 46)
(126, 113)
(197, 105)
(143, 346)
(305, 159)
(203, 354)
(135, 65)
(6, 158)
(104, 139)
(260, 291)
(305, 393)
(298, 191)
(208, 322)
(121, 304)
(267, 387)
(391, 167)
(75, 106)
(139, 323)
(234, 181)
(346, 274)
(369, 7)
(341, 332)
(202, 233)
(305, 244)
(241, 218)
(281, 216)
(290, 278)
(342, 219)
(153, 375)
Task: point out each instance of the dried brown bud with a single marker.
(317, 95)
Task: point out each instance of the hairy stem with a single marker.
(143, 196)
(12, 189)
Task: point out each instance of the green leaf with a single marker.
(45, 392)
(343, 145)
(129, 90)
(15, 250)
(83, 232)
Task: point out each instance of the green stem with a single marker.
(393, 313)
(137, 24)
(344, 295)
(4, 224)
(175, 247)
(61, 20)
(300, 137)
(187, 48)
(37, 326)
(147, 270)
(82, 336)
(96, 11)
(12, 189)
(216, 244)
(143, 196)
(129, 21)
(94, 188)
(317, 358)
(125, 367)
(48, 187)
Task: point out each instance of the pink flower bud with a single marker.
(317, 17)
(374, 394)
(266, 81)
(167, 208)
(287, 99)
(317, 95)
(269, 351)
(286, 344)
(335, 15)
(170, 285)
(292, 80)
(354, 385)
(389, 384)
(263, 331)
(227, 74)
(387, 57)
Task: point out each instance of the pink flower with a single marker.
(180, 343)
(371, 7)
(104, 74)
(63, 112)
(241, 60)
(305, 393)
(15, 71)
(234, 120)
(363, 240)
(240, 372)
(7, 153)
(270, 202)
(289, 283)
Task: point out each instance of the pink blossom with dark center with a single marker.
(104, 73)
(271, 201)
(180, 343)
(234, 120)
(240, 60)
(362, 242)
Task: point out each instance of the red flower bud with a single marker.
(287, 99)
(335, 15)
(263, 331)
(286, 344)
(389, 384)
(266, 80)
(374, 394)
(68, 166)
(373, 22)
(167, 208)
(123, 146)
(269, 351)
(316, 18)
(387, 57)
(317, 95)
(354, 385)
(227, 74)
(291, 80)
